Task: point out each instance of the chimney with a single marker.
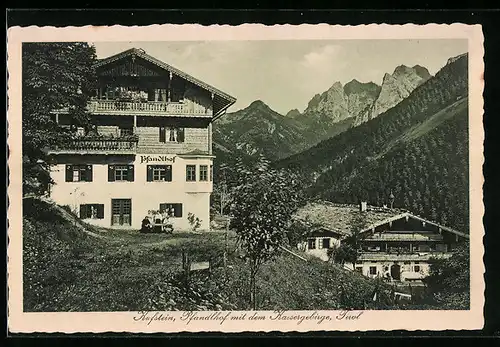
(362, 206)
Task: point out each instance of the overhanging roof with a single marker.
(341, 217)
(225, 99)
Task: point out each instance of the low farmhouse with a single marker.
(395, 244)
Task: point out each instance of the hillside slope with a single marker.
(426, 170)
(343, 168)
(66, 269)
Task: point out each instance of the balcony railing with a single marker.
(381, 256)
(146, 108)
(99, 145)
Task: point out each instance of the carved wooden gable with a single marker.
(131, 66)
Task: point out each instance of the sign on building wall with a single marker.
(157, 159)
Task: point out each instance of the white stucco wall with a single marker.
(407, 271)
(319, 251)
(145, 196)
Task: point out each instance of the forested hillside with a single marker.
(417, 149)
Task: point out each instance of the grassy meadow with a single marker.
(70, 266)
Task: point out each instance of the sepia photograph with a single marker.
(223, 176)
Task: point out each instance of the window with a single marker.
(373, 270)
(173, 209)
(159, 173)
(326, 243)
(121, 173)
(78, 173)
(121, 212)
(171, 134)
(92, 211)
(416, 268)
(311, 244)
(211, 172)
(190, 173)
(126, 130)
(359, 269)
(203, 173)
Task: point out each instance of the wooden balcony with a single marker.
(415, 256)
(147, 108)
(98, 146)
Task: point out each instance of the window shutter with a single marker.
(180, 135)
(149, 173)
(100, 211)
(83, 211)
(168, 170)
(163, 135)
(69, 173)
(178, 210)
(111, 173)
(130, 173)
(89, 173)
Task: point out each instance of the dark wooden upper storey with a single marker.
(135, 83)
(166, 109)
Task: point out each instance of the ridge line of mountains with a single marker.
(407, 138)
(259, 129)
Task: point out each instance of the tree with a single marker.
(55, 76)
(350, 247)
(263, 205)
(346, 252)
(448, 280)
(299, 229)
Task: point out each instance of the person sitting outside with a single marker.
(146, 225)
(157, 217)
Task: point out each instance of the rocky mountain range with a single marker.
(394, 88)
(359, 102)
(257, 129)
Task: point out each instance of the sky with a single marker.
(287, 74)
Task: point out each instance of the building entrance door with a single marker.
(121, 212)
(396, 272)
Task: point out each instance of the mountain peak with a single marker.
(293, 113)
(355, 86)
(386, 77)
(336, 85)
(257, 103)
(401, 69)
(422, 72)
(314, 101)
